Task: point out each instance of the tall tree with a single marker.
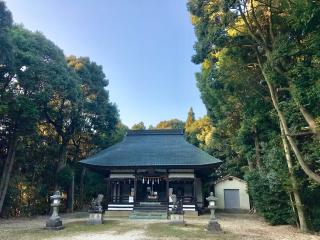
(5, 67)
(37, 64)
(190, 118)
(54, 111)
(273, 50)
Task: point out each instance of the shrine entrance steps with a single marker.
(149, 210)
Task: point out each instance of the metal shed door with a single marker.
(231, 199)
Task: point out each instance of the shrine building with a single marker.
(147, 167)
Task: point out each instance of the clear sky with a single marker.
(144, 46)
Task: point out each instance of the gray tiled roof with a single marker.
(143, 148)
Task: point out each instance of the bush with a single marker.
(64, 177)
(269, 198)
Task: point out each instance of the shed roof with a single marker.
(228, 178)
(147, 148)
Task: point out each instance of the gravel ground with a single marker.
(38, 222)
(243, 225)
(131, 235)
(255, 227)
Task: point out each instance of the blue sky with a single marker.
(144, 46)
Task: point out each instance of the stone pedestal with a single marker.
(177, 219)
(95, 218)
(214, 226)
(54, 223)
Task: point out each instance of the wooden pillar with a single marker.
(135, 187)
(194, 191)
(108, 193)
(167, 187)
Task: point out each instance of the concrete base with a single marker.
(95, 218)
(191, 213)
(214, 226)
(54, 224)
(117, 213)
(177, 219)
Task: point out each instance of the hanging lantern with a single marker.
(158, 180)
(148, 181)
(143, 180)
(152, 181)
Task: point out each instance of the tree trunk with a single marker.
(62, 156)
(314, 127)
(7, 169)
(257, 148)
(81, 197)
(294, 183)
(310, 120)
(250, 165)
(62, 161)
(284, 124)
(294, 210)
(70, 200)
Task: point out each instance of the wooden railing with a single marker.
(125, 199)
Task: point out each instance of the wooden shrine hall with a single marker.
(147, 167)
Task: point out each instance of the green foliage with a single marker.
(237, 57)
(200, 133)
(5, 46)
(138, 126)
(190, 118)
(64, 176)
(94, 185)
(58, 110)
(311, 195)
(170, 124)
(269, 198)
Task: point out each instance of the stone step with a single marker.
(136, 214)
(144, 208)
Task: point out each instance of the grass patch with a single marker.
(190, 231)
(69, 229)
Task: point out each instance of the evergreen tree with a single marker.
(190, 118)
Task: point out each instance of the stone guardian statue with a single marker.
(96, 211)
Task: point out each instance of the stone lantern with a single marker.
(54, 222)
(213, 225)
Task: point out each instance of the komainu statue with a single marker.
(95, 205)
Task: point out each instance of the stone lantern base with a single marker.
(214, 226)
(95, 218)
(54, 224)
(177, 219)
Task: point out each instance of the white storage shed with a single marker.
(232, 193)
